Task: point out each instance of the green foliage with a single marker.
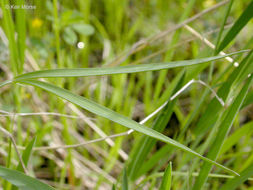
(22, 181)
(167, 178)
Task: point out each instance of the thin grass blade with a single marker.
(81, 72)
(114, 116)
(124, 180)
(224, 128)
(237, 27)
(146, 143)
(22, 181)
(237, 181)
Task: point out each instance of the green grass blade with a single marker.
(225, 126)
(79, 72)
(222, 26)
(21, 31)
(210, 116)
(248, 99)
(113, 116)
(25, 157)
(236, 136)
(124, 180)
(237, 27)
(10, 33)
(235, 182)
(22, 181)
(147, 143)
(27, 154)
(167, 178)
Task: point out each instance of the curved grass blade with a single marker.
(113, 116)
(235, 182)
(80, 72)
(225, 126)
(237, 27)
(167, 178)
(22, 181)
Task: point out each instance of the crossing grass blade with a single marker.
(146, 143)
(80, 72)
(237, 27)
(116, 117)
(224, 128)
(167, 178)
(210, 116)
(235, 182)
(22, 181)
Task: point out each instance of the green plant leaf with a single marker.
(237, 27)
(124, 180)
(224, 128)
(27, 154)
(210, 116)
(167, 178)
(69, 36)
(235, 182)
(25, 157)
(78, 72)
(236, 136)
(113, 187)
(146, 144)
(22, 181)
(113, 116)
(84, 29)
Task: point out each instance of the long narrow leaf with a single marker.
(113, 116)
(78, 72)
(27, 154)
(22, 181)
(146, 144)
(166, 182)
(237, 27)
(225, 126)
(235, 182)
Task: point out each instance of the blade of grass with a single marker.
(21, 31)
(237, 27)
(167, 178)
(27, 154)
(22, 181)
(222, 26)
(236, 136)
(78, 72)
(25, 157)
(146, 143)
(113, 116)
(225, 126)
(210, 115)
(124, 180)
(10, 33)
(237, 181)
